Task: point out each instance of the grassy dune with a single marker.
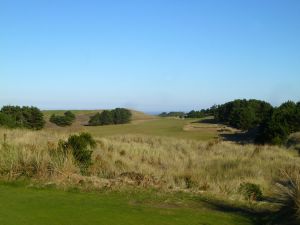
(169, 155)
(167, 163)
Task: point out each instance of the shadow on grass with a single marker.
(257, 216)
(206, 120)
(239, 137)
(247, 137)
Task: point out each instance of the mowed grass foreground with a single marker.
(31, 206)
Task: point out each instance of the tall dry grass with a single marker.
(166, 163)
(288, 187)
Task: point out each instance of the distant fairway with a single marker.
(28, 206)
(160, 127)
(141, 124)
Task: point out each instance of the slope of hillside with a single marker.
(83, 116)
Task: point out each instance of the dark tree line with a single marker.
(107, 117)
(201, 113)
(192, 114)
(66, 120)
(273, 124)
(280, 123)
(172, 114)
(243, 114)
(21, 117)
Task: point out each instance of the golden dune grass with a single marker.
(167, 163)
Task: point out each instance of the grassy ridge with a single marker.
(167, 163)
(85, 114)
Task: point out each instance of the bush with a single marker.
(251, 191)
(288, 191)
(202, 113)
(283, 121)
(95, 120)
(243, 114)
(172, 114)
(121, 116)
(274, 124)
(33, 118)
(66, 120)
(107, 117)
(7, 121)
(81, 147)
(27, 117)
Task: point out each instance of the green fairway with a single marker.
(160, 127)
(141, 124)
(28, 206)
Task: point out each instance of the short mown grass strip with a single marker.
(31, 206)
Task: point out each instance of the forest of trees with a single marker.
(107, 117)
(66, 120)
(21, 117)
(280, 123)
(273, 124)
(243, 114)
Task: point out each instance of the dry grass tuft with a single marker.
(288, 189)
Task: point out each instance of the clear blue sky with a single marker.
(155, 55)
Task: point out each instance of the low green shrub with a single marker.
(251, 191)
(7, 121)
(107, 117)
(81, 146)
(22, 117)
(288, 192)
(66, 120)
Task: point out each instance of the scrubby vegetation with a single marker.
(280, 123)
(169, 164)
(294, 141)
(273, 124)
(201, 113)
(107, 117)
(222, 169)
(288, 194)
(243, 114)
(251, 191)
(192, 114)
(81, 147)
(172, 114)
(212, 167)
(21, 117)
(66, 120)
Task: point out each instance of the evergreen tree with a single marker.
(106, 117)
(16, 116)
(66, 120)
